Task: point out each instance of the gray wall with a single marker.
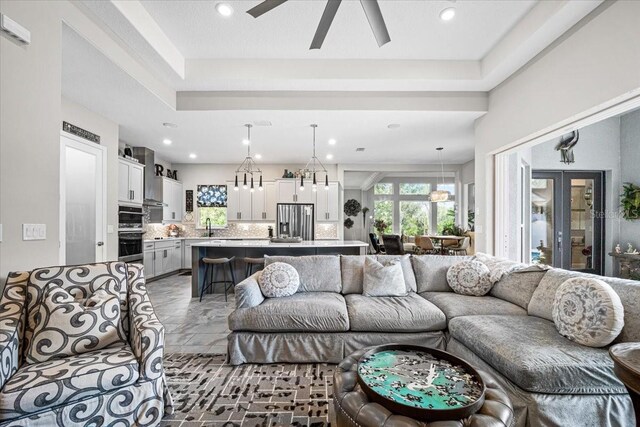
(357, 232)
(630, 170)
(598, 149)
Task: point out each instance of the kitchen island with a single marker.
(259, 248)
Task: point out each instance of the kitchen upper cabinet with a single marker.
(238, 203)
(289, 191)
(171, 191)
(130, 182)
(327, 203)
(263, 203)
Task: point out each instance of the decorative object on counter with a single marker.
(188, 201)
(630, 201)
(352, 207)
(348, 223)
(440, 195)
(618, 249)
(212, 196)
(314, 162)
(248, 167)
(631, 250)
(565, 147)
(128, 154)
(285, 174)
(173, 230)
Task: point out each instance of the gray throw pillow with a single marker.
(279, 280)
(383, 280)
(469, 278)
(588, 311)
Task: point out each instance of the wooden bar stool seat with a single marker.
(251, 263)
(211, 273)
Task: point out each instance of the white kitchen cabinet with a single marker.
(171, 191)
(327, 203)
(148, 259)
(239, 203)
(288, 191)
(176, 256)
(263, 203)
(130, 182)
(186, 253)
(162, 257)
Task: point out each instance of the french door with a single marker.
(567, 219)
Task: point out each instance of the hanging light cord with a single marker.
(313, 158)
(248, 165)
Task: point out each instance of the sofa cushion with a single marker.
(65, 327)
(301, 312)
(541, 304)
(318, 273)
(410, 313)
(279, 279)
(62, 381)
(588, 311)
(383, 280)
(518, 286)
(530, 352)
(469, 278)
(352, 270)
(431, 271)
(455, 305)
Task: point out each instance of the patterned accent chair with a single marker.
(122, 384)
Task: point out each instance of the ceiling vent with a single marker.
(262, 123)
(360, 149)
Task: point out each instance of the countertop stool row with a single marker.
(225, 265)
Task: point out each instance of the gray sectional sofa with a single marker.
(551, 380)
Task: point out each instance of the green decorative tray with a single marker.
(420, 382)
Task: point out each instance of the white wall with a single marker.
(108, 131)
(30, 120)
(630, 171)
(595, 65)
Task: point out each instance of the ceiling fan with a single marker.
(371, 9)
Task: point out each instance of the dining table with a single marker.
(439, 238)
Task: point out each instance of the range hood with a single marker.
(147, 157)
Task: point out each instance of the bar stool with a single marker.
(250, 263)
(211, 271)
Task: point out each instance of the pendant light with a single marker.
(248, 167)
(316, 167)
(440, 195)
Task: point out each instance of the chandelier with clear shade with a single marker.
(248, 167)
(315, 162)
(440, 195)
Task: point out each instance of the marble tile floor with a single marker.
(191, 326)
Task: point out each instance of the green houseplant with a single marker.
(630, 201)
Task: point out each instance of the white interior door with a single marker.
(82, 202)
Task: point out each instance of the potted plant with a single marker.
(380, 226)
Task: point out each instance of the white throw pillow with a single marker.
(588, 311)
(279, 279)
(469, 278)
(383, 280)
(66, 327)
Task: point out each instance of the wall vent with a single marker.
(360, 149)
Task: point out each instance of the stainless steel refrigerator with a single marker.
(295, 220)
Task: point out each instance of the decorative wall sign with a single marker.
(173, 174)
(212, 196)
(189, 201)
(82, 133)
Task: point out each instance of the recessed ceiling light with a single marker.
(192, 156)
(332, 141)
(166, 141)
(224, 9)
(329, 156)
(170, 125)
(448, 13)
(258, 156)
(246, 141)
(393, 126)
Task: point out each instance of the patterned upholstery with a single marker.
(123, 384)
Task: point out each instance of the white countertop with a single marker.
(203, 238)
(267, 243)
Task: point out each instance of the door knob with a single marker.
(100, 243)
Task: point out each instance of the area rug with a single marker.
(207, 392)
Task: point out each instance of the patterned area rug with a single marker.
(207, 392)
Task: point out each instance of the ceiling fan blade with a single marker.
(264, 7)
(325, 22)
(376, 21)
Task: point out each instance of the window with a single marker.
(446, 215)
(414, 217)
(383, 189)
(415, 188)
(383, 210)
(212, 205)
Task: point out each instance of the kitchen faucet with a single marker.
(208, 225)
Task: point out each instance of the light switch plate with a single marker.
(0, 232)
(110, 229)
(34, 231)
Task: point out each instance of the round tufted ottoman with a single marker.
(353, 407)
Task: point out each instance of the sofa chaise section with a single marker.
(455, 305)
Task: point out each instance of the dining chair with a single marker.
(463, 247)
(376, 244)
(426, 245)
(392, 244)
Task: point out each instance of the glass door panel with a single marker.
(543, 219)
(582, 224)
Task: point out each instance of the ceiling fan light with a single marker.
(224, 9)
(448, 13)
